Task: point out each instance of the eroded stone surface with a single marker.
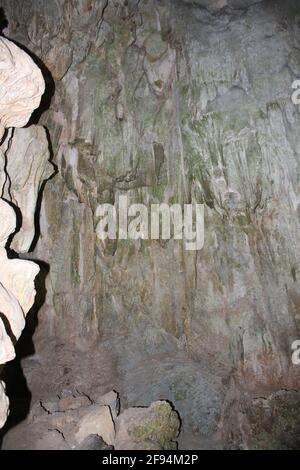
(172, 101)
(28, 166)
(153, 428)
(22, 85)
(81, 425)
(270, 421)
(17, 293)
(21, 88)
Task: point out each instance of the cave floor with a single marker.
(82, 369)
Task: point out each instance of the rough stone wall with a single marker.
(175, 101)
(21, 172)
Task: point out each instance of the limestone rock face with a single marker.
(21, 88)
(28, 166)
(173, 101)
(22, 85)
(7, 352)
(17, 276)
(77, 418)
(17, 293)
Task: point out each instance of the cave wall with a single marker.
(21, 176)
(175, 101)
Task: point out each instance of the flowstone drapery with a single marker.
(23, 166)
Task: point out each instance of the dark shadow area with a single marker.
(10, 252)
(4, 136)
(3, 20)
(12, 373)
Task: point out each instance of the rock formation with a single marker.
(75, 421)
(22, 85)
(21, 88)
(171, 101)
(153, 428)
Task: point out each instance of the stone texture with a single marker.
(18, 278)
(3, 405)
(76, 417)
(17, 293)
(173, 101)
(153, 428)
(28, 166)
(22, 85)
(112, 400)
(98, 420)
(270, 421)
(74, 424)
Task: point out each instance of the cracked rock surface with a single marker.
(77, 421)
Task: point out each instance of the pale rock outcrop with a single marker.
(17, 276)
(98, 420)
(17, 293)
(21, 88)
(22, 85)
(28, 166)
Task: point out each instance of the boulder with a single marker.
(153, 428)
